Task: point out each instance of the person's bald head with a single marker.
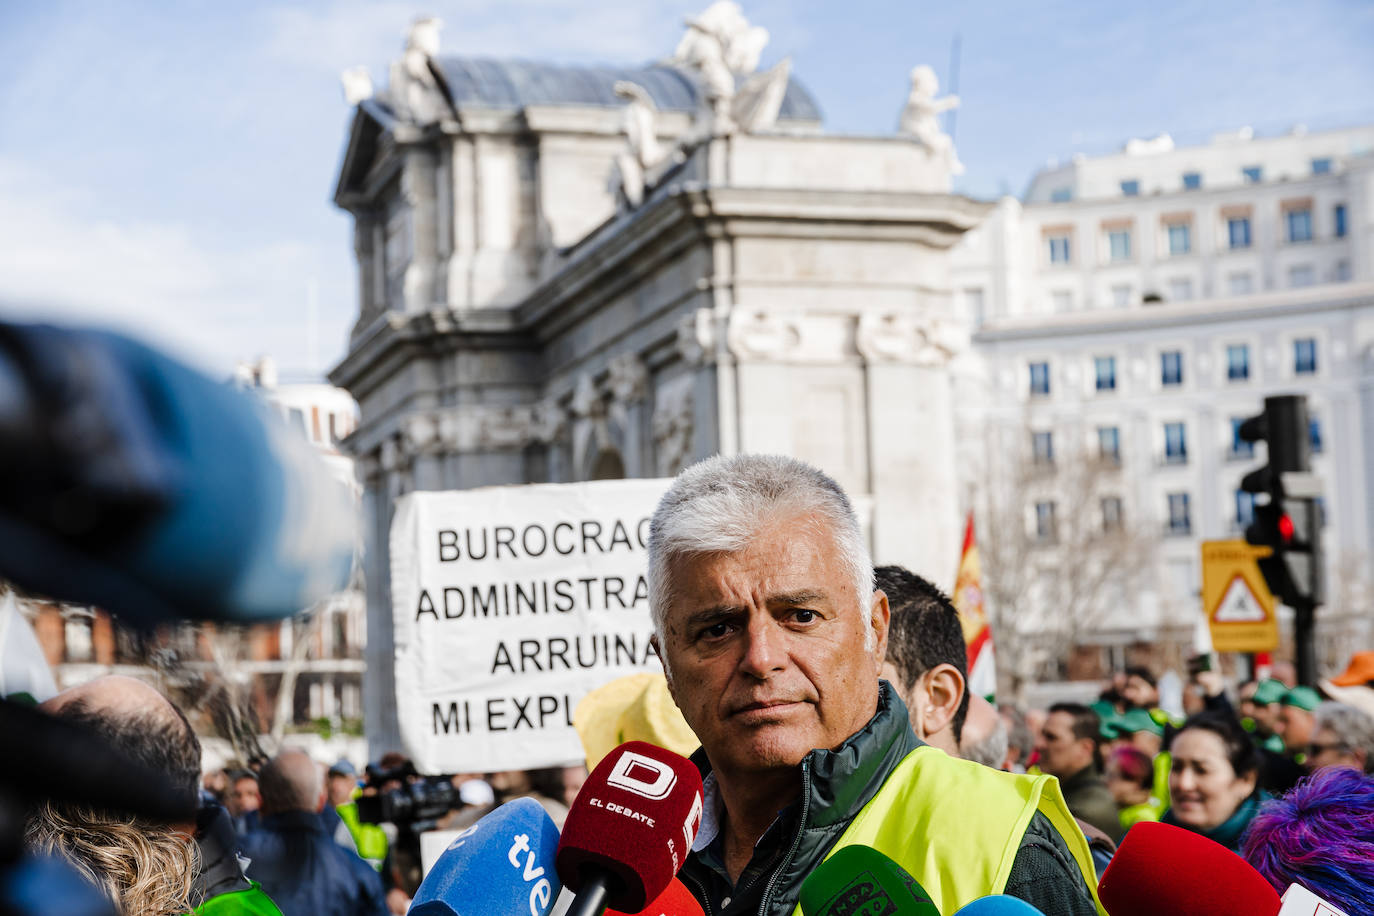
(291, 782)
(138, 722)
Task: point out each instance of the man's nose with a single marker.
(764, 651)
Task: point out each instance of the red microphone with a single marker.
(675, 901)
(1160, 868)
(629, 829)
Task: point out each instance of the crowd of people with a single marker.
(832, 707)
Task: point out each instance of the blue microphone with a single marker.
(503, 865)
(132, 482)
(1000, 905)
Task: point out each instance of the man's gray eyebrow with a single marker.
(793, 599)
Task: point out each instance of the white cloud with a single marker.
(160, 281)
(344, 33)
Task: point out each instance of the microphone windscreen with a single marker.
(998, 905)
(500, 865)
(675, 901)
(1160, 868)
(859, 880)
(633, 821)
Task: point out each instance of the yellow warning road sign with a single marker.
(1238, 605)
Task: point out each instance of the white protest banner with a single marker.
(510, 604)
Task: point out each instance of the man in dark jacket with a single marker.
(1069, 750)
(772, 637)
(294, 857)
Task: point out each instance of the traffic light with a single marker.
(1286, 495)
(1286, 517)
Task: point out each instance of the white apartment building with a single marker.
(1130, 313)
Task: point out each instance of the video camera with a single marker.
(415, 805)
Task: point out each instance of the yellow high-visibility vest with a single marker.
(956, 826)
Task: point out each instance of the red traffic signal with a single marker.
(1286, 530)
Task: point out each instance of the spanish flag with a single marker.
(968, 599)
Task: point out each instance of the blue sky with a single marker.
(167, 168)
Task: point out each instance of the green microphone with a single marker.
(861, 881)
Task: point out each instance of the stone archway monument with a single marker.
(566, 269)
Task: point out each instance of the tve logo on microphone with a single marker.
(541, 893)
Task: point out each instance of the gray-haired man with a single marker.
(772, 637)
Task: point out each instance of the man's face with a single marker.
(1138, 692)
(1061, 754)
(766, 648)
(340, 787)
(1295, 727)
(245, 797)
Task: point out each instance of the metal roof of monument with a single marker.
(516, 83)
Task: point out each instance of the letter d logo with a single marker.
(643, 776)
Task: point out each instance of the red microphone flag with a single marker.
(634, 820)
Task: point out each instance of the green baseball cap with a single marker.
(1138, 720)
(1269, 691)
(1110, 729)
(1302, 697)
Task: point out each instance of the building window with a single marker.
(1180, 238)
(1111, 513)
(1181, 289)
(1045, 531)
(1042, 447)
(1059, 249)
(1245, 509)
(1238, 231)
(1338, 221)
(1130, 188)
(974, 305)
(1180, 514)
(1304, 356)
(1061, 195)
(1299, 224)
(1175, 444)
(1061, 300)
(1342, 272)
(77, 636)
(1039, 379)
(1191, 181)
(1314, 434)
(1240, 284)
(1121, 295)
(1253, 174)
(1105, 369)
(1301, 275)
(1109, 444)
(1321, 166)
(297, 419)
(1239, 447)
(1237, 362)
(1171, 368)
(1119, 244)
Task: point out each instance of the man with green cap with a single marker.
(1266, 704)
(1296, 721)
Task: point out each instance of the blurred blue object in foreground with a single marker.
(132, 482)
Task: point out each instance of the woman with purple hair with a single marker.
(1319, 835)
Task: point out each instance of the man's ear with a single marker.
(944, 689)
(879, 616)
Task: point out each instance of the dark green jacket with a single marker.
(836, 785)
(1090, 800)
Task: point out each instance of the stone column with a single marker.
(915, 489)
(419, 191)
